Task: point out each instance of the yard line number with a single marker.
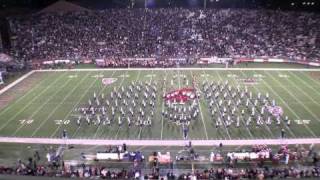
(26, 121)
(61, 122)
(283, 76)
(302, 121)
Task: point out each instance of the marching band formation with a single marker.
(135, 105)
(235, 106)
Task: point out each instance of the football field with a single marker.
(48, 102)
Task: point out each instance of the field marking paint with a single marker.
(75, 105)
(21, 97)
(307, 84)
(9, 86)
(314, 116)
(286, 104)
(29, 103)
(225, 127)
(313, 80)
(290, 109)
(86, 92)
(179, 78)
(118, 88)
(124, 76)
(257, 69)
(164, 91)
(43, 104)
(162, 69)
(261, 79)
(265, 124)
(105, 87)
(238, 110)
(128, 142)
(205, 128)
(141, 128)
(286, 126)
(234, 102)
(303, 92)
(26, 121)
(179, 83)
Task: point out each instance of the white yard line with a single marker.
(266, 125)
(137, 78)
(75, 105)
(40, 107)
(99, 94)
(162, 69)
(285, 125)
(128, 142)
(164, 91)
(303, 92)
(58, 105)
(307, 84)
(285, 103)
(118, 89)
(225, 127)
(237, 108)
(9, 86)
(179, 78)
(314, 116)
(313, 80)
(21, 97)
(205, 128)
(179, 85)
(86, 92)
(139, 136)
(29, 103)
(45, 103)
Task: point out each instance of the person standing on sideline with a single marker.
(282, 133)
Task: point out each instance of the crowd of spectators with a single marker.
(213, 173)
(299, 168)
(114, 34)
(254, 173)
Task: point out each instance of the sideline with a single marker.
(188, 68)
(160, 142)
(9, 86)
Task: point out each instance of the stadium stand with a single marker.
(229, 169)
(115, 34)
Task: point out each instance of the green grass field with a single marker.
(47, 106)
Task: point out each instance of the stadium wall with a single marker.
(275, 60)
(205, 60)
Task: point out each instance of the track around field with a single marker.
(159, 142)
